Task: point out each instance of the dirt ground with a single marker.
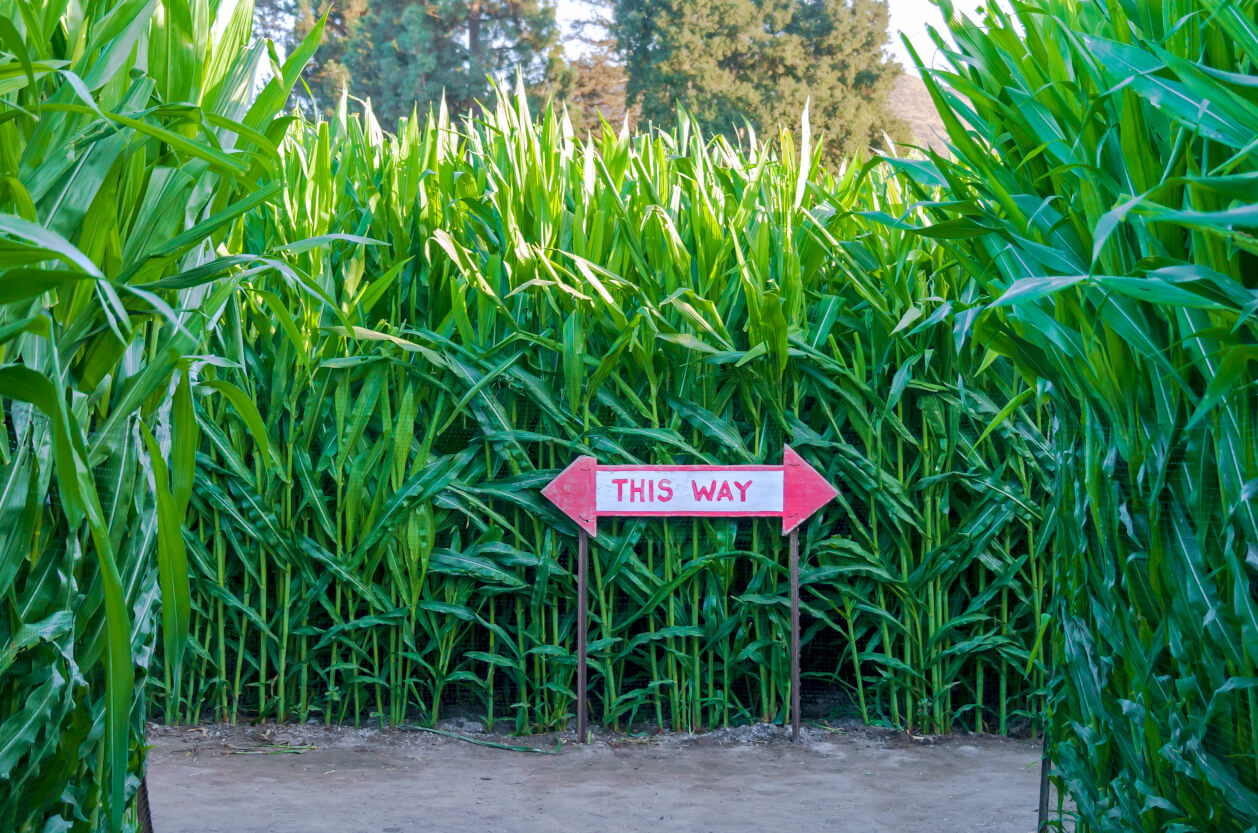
(311, 779)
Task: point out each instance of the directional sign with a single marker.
(585, 490)
(792, 491)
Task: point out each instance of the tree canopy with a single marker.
(731, 63)
(738, 62)
(404, 55)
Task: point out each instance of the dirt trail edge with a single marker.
(311, 779)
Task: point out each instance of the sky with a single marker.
(912, 17)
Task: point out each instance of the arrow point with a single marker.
(573, 491)
(804, 490)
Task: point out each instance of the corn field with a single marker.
(104, 304)
(1106, 180)
(279, 395)
(466, 306)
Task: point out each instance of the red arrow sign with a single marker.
(791, 491)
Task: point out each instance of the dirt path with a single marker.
(752, 779)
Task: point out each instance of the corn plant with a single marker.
(469, 303)
(131, 144)
(1101, 186)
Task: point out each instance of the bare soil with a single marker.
(312, 779)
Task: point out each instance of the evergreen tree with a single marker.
(728, 61)
(402, 54)
(326, 74)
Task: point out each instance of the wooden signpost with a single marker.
(585, 490)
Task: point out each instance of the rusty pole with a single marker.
(583, 549)
(795, 635)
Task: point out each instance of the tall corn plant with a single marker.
(1102, 185)
(468, 304)
(131, 142)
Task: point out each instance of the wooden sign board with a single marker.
(585, 491)
(792, 491)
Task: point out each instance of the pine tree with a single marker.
(738, 62)
(326, 74)
(404, 55)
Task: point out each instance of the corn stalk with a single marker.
(1102, 188)
(468, 304)
(131, 144)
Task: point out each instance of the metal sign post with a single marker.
(583, 552)
(585, 490)
(795, 635)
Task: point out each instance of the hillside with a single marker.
(911, 102)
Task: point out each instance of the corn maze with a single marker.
(279, 396)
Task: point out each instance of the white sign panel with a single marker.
(690, 491)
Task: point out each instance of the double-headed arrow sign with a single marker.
(792, 491)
